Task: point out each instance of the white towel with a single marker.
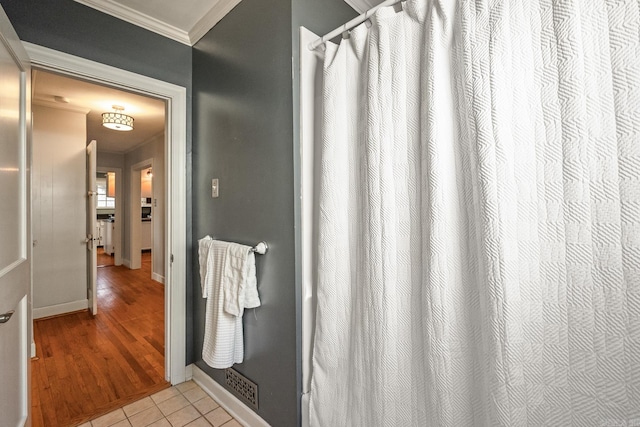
(239, 280)
(203, 255)
(227, 279)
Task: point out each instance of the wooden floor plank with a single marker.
(87, 366)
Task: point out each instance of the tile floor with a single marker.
(183, 405)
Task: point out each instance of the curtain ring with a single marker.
(345, 32)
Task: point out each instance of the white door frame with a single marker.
(175, 188)
(91, 205)
(135, 226)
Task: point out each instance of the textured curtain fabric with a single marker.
(479, 217)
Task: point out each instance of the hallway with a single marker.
(89, 366)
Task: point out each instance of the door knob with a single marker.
(4, 318)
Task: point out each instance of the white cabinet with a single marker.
(145, 235)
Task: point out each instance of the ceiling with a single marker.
(93, 100)
(185, 21)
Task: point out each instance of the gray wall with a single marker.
(246, 135)
(243, 135)
(79, 30)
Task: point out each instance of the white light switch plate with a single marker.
(215, 188)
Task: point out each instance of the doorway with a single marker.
(110, 201)
(142, 217)
(119, 299)
(175, 155)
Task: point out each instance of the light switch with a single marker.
(215, 188)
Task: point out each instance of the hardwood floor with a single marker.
(87, 366)
(104, 260)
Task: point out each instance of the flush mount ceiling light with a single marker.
(117, 120)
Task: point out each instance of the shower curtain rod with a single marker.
(349, 25)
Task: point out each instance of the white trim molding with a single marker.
(189, 37)
(175, 188)
(140, 19)
(238, 410)
(157, 277)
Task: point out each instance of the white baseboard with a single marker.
(54, 310)
(157, 277)
(33, 349)
(126, 263)
(228, 401)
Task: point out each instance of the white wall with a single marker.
(59, 211)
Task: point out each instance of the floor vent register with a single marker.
(243, 387)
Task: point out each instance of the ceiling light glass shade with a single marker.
(117, 121)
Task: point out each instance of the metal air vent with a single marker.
(243, 387)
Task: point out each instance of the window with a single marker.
(104, 202)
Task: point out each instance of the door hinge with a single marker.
(171, 259)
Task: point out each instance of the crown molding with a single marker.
(140, 19)
(211, 18)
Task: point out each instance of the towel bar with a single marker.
(261, 248)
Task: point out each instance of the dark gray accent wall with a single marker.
(243, 135)
(73, 28)
(245, 80)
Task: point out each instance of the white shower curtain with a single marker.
(479, 217)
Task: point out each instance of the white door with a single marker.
(92, 239)
(15, 113)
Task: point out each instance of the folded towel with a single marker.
(239, 281)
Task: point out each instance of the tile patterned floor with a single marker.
(183, 405)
